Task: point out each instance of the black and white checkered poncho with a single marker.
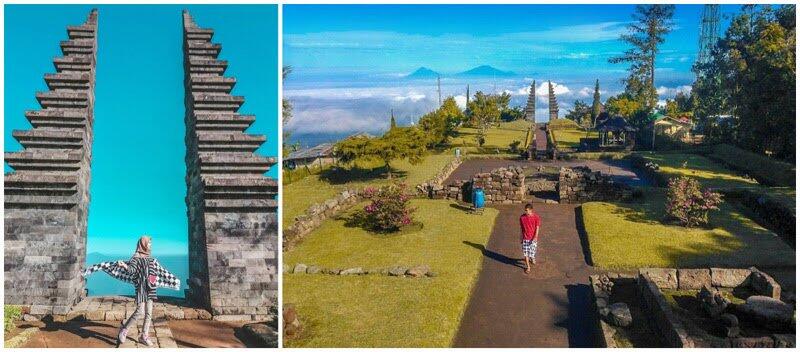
(164, 278)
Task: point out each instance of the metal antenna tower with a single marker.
(439, 88)
(709, 32)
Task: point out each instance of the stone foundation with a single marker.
(502, 186)
(434, 185)
(580, 184)
(316, 214)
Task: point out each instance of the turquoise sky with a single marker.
(138, 157)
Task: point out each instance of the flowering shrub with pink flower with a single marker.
(689, 203)
(388, 208)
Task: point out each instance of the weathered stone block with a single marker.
(693, 279)
(729, 278)
(662, 277)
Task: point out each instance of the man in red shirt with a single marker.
(529, 235)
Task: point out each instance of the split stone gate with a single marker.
(231, 205)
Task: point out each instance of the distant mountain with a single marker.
(423, 73)
(485, 71)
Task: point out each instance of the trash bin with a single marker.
(478, 198)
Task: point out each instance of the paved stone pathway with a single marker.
(116, 308)
(551, 306)
(541, 139)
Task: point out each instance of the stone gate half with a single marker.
(47, 196)
(233, 232)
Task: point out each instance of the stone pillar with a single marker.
(553, 103)
(232, 210)
(47, 195)
(530, 107)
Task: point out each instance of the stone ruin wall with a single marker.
(316, 214)
(580, 184)
(47, 196)
(502, 185)
(435, 184)
(233, 232)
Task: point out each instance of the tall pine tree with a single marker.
(596, 107)
(648, 31)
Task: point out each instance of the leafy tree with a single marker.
(441, 123)
(484, 111)
(596, 105)
(580, 113)
(512, 114)
(751, 75)
(623, 105)
(396, 144)
(684, 102)
(648, 31)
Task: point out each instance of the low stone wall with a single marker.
(581, 184)
(503, 185)
(542, 185)
(674, 331)
(435, 183)
(316, 214)
(416, 271)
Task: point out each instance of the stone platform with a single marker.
(117, 308)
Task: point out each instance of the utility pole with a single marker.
(439, 88)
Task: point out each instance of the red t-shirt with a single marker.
(528, 225)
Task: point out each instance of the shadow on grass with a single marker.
(462, 207)
(494, 255)
(340, 175)
(587, 253)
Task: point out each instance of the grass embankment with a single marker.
(316, 188)
(498, 139)
(384, 311)
(767, 170)
(708, 172)
(628, 236)
(568, 134)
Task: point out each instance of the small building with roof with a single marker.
(615, 131)
(318, 156)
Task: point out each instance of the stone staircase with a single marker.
(47, 195)
(231, 204)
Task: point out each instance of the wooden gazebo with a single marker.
(615, 131)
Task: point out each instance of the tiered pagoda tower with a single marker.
(553, 103)
(233, 232)
(530, 108)
(47, 196)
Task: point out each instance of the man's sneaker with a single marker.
(144, 339)
(122, 336)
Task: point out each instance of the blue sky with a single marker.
(349, 60)
(138, 166)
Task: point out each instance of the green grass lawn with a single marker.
(627, 236)
(498, 139)
(708, 172)
(571, 137)
(301, 194)
(383, 311)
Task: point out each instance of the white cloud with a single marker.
(586, 92)
(412, 96)
(558, 89)
(334, 120)
(671, 92)
(461, 101)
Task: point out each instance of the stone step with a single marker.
(223, 122)
(77, 46)
(208, 66)
(50, 138)
(54, 99)
(216, 102)
(71, 81)
(228, 142)
(239, 187)
(45, 159)
(40, 201)
(199, 33)
(211, 84)
(75, 63)
(234, 163)
(201, 48)
(240, 205)
(59, 118)
(81, 32)
(41, 184)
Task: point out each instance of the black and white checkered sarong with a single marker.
(529, 248)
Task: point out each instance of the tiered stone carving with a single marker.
(553, 102)
(233, 232)
(530, 107)
(47, 196)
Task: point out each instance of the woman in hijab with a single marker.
(146, 274)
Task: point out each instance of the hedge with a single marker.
(765, 170)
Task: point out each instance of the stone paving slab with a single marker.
(117, 308)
